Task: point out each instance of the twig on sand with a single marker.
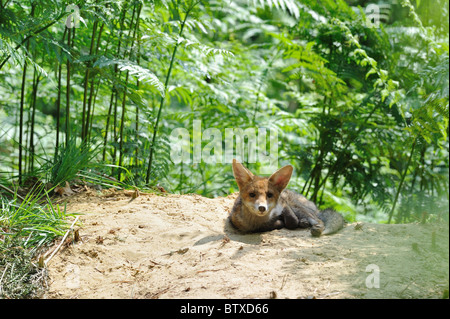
(159, 293)
(205, 270)
(62, 241)
(283, 282)
(331, 294)
(122, 281)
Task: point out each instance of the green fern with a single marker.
(142, 74)
(284, 5)
(346, 99)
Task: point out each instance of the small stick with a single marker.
(62, 241)
(159, 293)
(154, 262)
(1, 279)
(205, 270)
(331, 294)
(283, 282)
(10, 191)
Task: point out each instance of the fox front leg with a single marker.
(308, 219)
(303, 221)
(272, 225)
(290, 219)
(278, 224)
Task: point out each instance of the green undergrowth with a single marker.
(28, 227)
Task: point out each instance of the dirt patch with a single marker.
(181, 247)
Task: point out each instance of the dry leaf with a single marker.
(64, 191)
(160, 188)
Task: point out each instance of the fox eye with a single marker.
(252, 194)
(269, 195)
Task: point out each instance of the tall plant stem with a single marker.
(22, 101)
(108, 118)
(36, 79)
(85, 123)
(114, 153)
(350, 139)
(58, 102)
(122, 124)
(115, 93)
(161, 105)
(122, 121)
(68, 89)
(92, 98)
(402, 180)
(138, 58)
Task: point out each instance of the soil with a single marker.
(181, 246)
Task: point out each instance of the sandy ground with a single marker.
(177, 246)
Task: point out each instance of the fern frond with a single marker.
(208, 51)
(284, 5)
(142, 74)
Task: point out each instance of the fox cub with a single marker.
(264, 204)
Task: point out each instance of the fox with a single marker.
(264, 204)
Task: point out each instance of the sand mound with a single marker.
(181, 247)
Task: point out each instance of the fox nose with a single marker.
(262, 209)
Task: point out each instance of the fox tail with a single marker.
(332, 220)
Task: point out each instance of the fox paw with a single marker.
(316, 230)
(278, 224)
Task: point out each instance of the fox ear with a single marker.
(281, 178)
(241, 174)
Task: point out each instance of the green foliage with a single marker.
(20, 277)
(139, 72)
(361, 111)
(35, 221)
(69, 161)
(27, 226)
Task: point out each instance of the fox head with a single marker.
(260, 194)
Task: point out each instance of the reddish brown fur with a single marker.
(263, 205)
(253, 192)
